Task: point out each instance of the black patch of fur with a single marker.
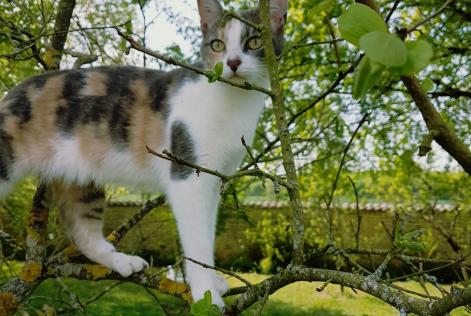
(92, 194)
(68, 116)
(93, 216)
(20, 105)
(254, 16)
(120, 98)
(182, 147)
(160, 82)
(98, 210)
(6, 153)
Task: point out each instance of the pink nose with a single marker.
(234, 64)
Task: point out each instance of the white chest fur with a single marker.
(217, 116)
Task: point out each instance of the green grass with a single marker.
(299, 299)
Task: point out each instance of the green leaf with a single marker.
(384, 48)
(218, 69)
(427, 85)
(414, 246)
(204, 307)
(211, 75)
(412, 235)
(323, 6)
(366, 76)
(359, 20)
(419, 54)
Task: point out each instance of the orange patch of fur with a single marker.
(96, 84)
(32, 139)
(147, 126)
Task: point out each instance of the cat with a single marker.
(80, 129)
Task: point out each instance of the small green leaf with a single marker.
(419, 54)
(414, 246)
(427, 85)
(384, 48)
(366, 76)
(323, 6)
(211, 75)
(218, 69)
(204, 306)
(359, 20)
(412, 235)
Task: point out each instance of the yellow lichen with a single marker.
(96, 272)
(31, 271)
(8, 304)
(71, 251)
(34, 235)
(111, 237)
(175, 288)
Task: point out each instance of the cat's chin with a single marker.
(237, 78)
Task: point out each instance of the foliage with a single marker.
(364, 28)
(204, 307)
(15, 208)
(273, 236)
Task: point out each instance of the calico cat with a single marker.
(80, 129)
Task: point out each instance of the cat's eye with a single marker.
(217, 45)
(254, 43)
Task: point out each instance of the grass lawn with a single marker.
(299, 299)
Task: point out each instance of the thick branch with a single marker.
(444, 134)
(283, 132)
(61, 26)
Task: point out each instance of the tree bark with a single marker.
(285, 139)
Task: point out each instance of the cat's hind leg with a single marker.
(81, 211)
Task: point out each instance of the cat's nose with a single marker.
(234, 63)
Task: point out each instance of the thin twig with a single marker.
(337, 176)
(393, 8)
(440, 10)
(359, 217)
(235, 275)
(238, 17)
(243, 173)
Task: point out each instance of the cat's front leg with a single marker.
(195, 202)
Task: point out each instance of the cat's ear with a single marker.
(278, 12)
(211, 12)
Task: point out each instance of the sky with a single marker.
(163, 33)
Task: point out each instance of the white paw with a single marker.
(127, 265)
(220, 284)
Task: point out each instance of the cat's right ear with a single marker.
(211, 13)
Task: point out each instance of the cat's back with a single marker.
(86, 115)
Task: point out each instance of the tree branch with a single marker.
(443, 134)
(283, 132)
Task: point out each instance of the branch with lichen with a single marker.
(37, 268)
(403, 302)
(284, 135)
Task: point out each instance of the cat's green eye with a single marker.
(218, 46)
(254, 43)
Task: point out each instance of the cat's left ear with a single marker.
(211, 13)
(278, 13)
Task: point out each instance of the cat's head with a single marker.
(234, 43)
